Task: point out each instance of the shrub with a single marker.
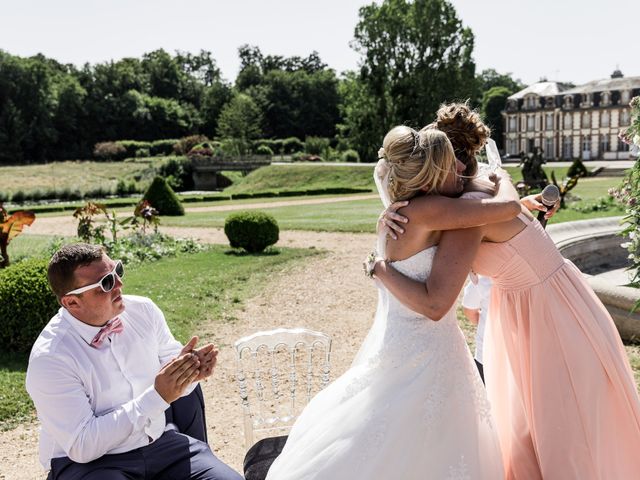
(132, 147)
(264, 150)
(577, 169)
(109, 151)
(143, 152)
(350, 156)
(316, 145)
(292, 145)
(162, 197)
(252, 231)
(26, 304)
(162, 147)
(185, 144)
(19, 196)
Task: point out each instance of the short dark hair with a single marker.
(64, 263)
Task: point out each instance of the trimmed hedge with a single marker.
(26, 304)
(162, 197)
(252, 231)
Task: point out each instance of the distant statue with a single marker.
(532, 172)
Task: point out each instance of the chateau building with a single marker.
(568, 122)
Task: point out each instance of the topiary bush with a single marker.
(264, 150)
(185, 144)
(162, 197)
(252, 231)
(26, 304)
(292, 145)
(109, 151)
(316, 145)
(350, 156)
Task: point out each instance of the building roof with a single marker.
(606, 84)
(542, 89)
(545, 89)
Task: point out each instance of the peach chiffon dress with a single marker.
(558, 378)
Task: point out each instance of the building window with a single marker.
(567, 146)
(604, 143)
(548, 148)
(586, 143)
(531, 123)
(512, 124)
(622, 146)
(548, 121)
(568, 102)
(605, 119)
(567, 121)
(549, 102)
(586, 120)
(624, 118)
(624, 97)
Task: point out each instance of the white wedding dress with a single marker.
(412, 406)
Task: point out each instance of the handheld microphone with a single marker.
(550, 195)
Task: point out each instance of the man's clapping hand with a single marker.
(176, 375)
(207, 355)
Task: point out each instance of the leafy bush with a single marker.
(274, 145)
(143, 152)
(162, 147)
(350, 156)
(19, 196)
(185, 144)
(132, 147)
(162, 197)
(204, 148)
(316, 145)
(179, 173)
(264, 150)
(109, 151)
(26, 304)
(143, 247)
(292, 145)
(252, 231)
(577, 169)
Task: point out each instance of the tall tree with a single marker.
(299, 96)
(493, 102)
(415, 55)
(240, 122)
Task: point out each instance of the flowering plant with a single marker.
(628, 194)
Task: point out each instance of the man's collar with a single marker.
(86, 331)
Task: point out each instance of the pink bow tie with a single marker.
(114, 326)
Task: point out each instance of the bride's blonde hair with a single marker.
(418, 161)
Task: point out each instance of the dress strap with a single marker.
(524, 218)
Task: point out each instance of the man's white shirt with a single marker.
(97, 401)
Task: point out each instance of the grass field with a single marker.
(360, 215)
(296, 177)
(72, 175)
(191, 290)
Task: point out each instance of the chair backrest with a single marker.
(278, 371)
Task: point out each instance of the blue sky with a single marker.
(567, 40)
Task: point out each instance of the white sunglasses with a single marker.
(106, 283)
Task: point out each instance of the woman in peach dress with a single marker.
(558, 379)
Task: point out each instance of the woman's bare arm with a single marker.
(435, 211)
(451, 264)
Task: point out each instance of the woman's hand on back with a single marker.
(390, 222)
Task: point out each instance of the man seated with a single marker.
(102, 373)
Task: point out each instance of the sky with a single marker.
(565, 40)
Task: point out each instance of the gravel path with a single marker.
(327, 293)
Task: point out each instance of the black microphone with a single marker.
(550, 195)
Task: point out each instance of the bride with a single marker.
(412, 406)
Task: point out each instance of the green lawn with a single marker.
(308, 177)
(192, 290)
(360, 215)
(72, 175)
